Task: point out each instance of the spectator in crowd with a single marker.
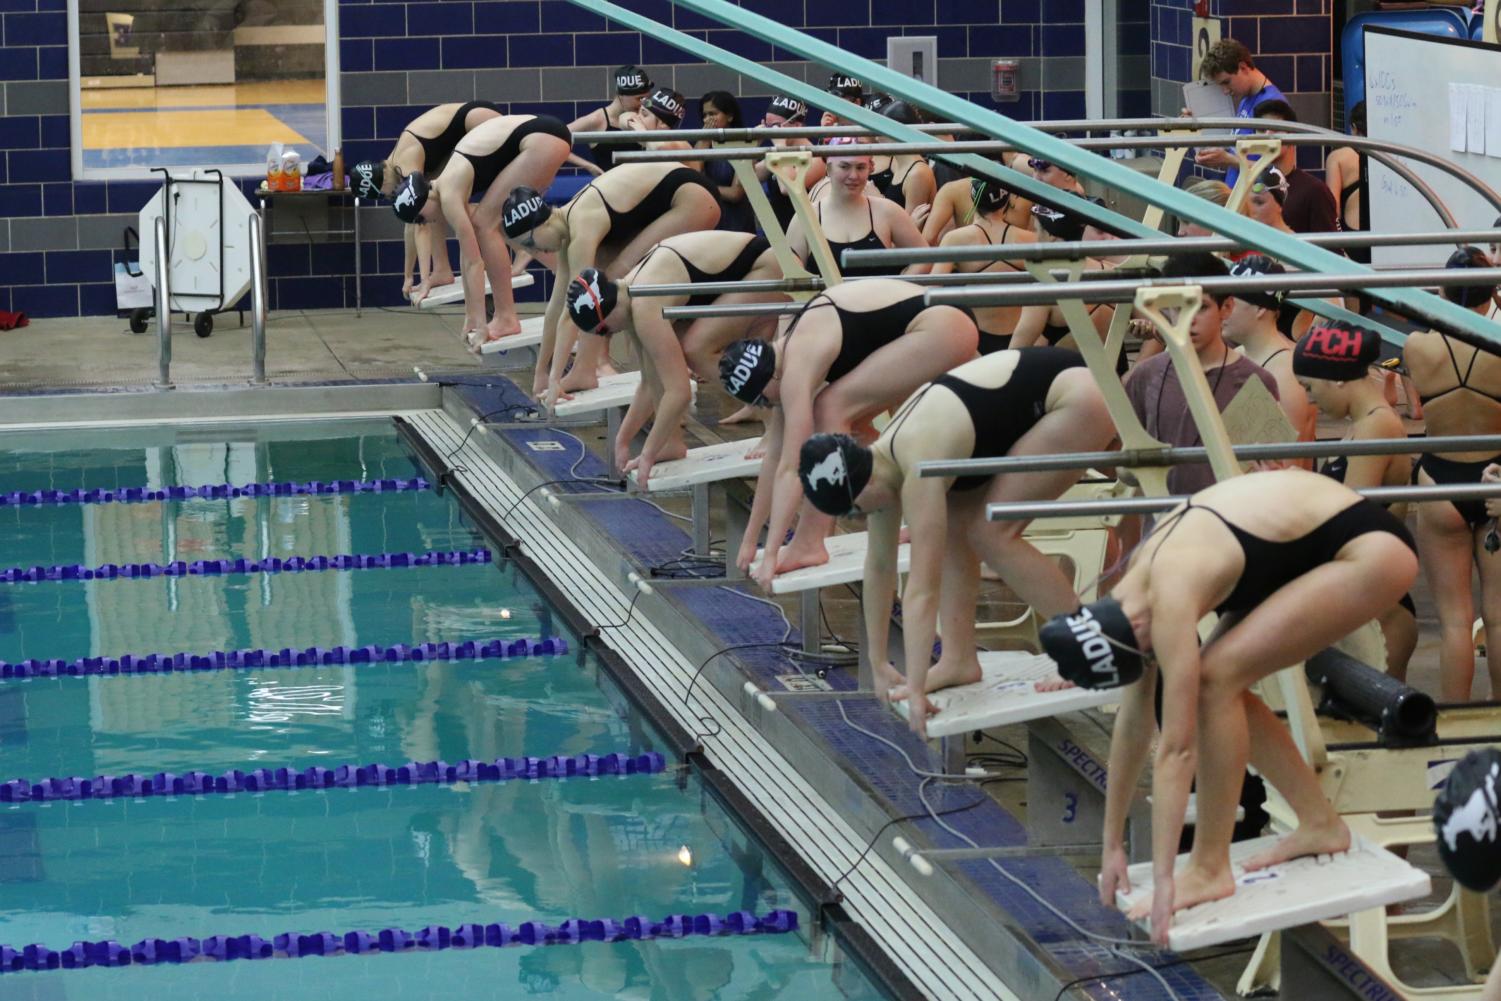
(718, 109)
(1230, 66)
(1309, 207)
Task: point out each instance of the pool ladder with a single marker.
(257, 304)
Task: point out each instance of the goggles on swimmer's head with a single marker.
(1273, 182)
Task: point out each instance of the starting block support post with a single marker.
(700, 512)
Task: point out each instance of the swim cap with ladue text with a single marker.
(1094, 647)
(631, 80)
(524, 210)
(833, 469)
(368, 177)
(667, 104)
(746, 367)
(845, 86)
(790, 108)
(1337, 351)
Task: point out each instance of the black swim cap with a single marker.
(1468, 295)
(989, 196)
(591, 298)
(368, 177)
(1274, 181)
(411, 195)
(845, 86)
(746, 367)
(1337, 351)
(901, 111)
(1058, 224)
(631, 80)
(667, 104)
(1094, 647)
(790, 108)
(1254, 266)
(833, 469)
(524, 210)
(1465, 820)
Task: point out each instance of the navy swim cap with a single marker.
(524, 210)
(833, 469)
(1465, 820)
(1337, 351)
(411, 195)
(368, 177)
(1468, 295)
(591, 298)
(790, 108)
(1254, 266)
(746, 367)
(1094, 647)
(667, 104)
(631, 80)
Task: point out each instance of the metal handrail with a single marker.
(1179, 455)
(163, 305)
(1075, 249)
(814, 283)
(258, 300)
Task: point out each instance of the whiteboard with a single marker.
(1407, 101)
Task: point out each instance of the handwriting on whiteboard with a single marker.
(1386, 99)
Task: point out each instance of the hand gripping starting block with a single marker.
(613, 395)
(1006, 693)
(1286, 895)
(846, 565)
(443, 295)
(697, 472)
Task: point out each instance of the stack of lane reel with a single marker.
(208, 241)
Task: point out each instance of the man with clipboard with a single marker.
(1230, 67)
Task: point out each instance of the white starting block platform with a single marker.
(530, 337)
(444, 295)
(846, 565)
(702, 466)
(1300, 892)
(613, 391)
(696, 472)
(1006, 693)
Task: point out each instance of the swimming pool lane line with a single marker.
(413, 773)
(213, 491)
(313, 656)
(433, 938)
(269, 565)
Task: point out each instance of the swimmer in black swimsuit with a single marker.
(852, 220)
(1036, 402)
(873, 342)
(1045, 324)
(609, 225)
(631, 87)
(990, 227)
(424, 146)
(1460, 389)
(672, 352)
(1251, 325)
(1333, 363)
(906, 179)
(495, 157)
(1296, 562)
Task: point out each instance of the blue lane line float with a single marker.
(213, 491)
(413, 773)
(255, 659)
(433, 938)
(271, 564)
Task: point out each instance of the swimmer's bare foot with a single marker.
(407, 287)
(576, 381)
(886, 678)
(904, 534)
(604, 368)
(1054, 684)
(1323, 839)
(950, 672)
(519, 264)
(1192, 885)
(757, 449)
(746, 415)
(799, 554)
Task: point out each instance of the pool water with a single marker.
(341, 859)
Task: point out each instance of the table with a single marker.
(265, 195)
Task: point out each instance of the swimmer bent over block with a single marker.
(1035, 402)
(1293, 562)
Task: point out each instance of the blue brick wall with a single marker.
(400, 58)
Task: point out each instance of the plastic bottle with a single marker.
(338, 184)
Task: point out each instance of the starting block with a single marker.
(613, 395)
(447, 294)
(1300, 892)
(1006, 694)
(846, 565)
(530, 337)
(696, 472)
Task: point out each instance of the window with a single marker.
(200, 83)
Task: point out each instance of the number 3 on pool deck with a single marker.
(1070, 807)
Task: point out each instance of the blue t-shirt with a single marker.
(1247, 109)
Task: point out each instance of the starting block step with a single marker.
(709, 464)
(846, 565)
(1300, 892)
(530, 337)
(1006, 693)
(446, 294)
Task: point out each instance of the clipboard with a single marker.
(1207, 100)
